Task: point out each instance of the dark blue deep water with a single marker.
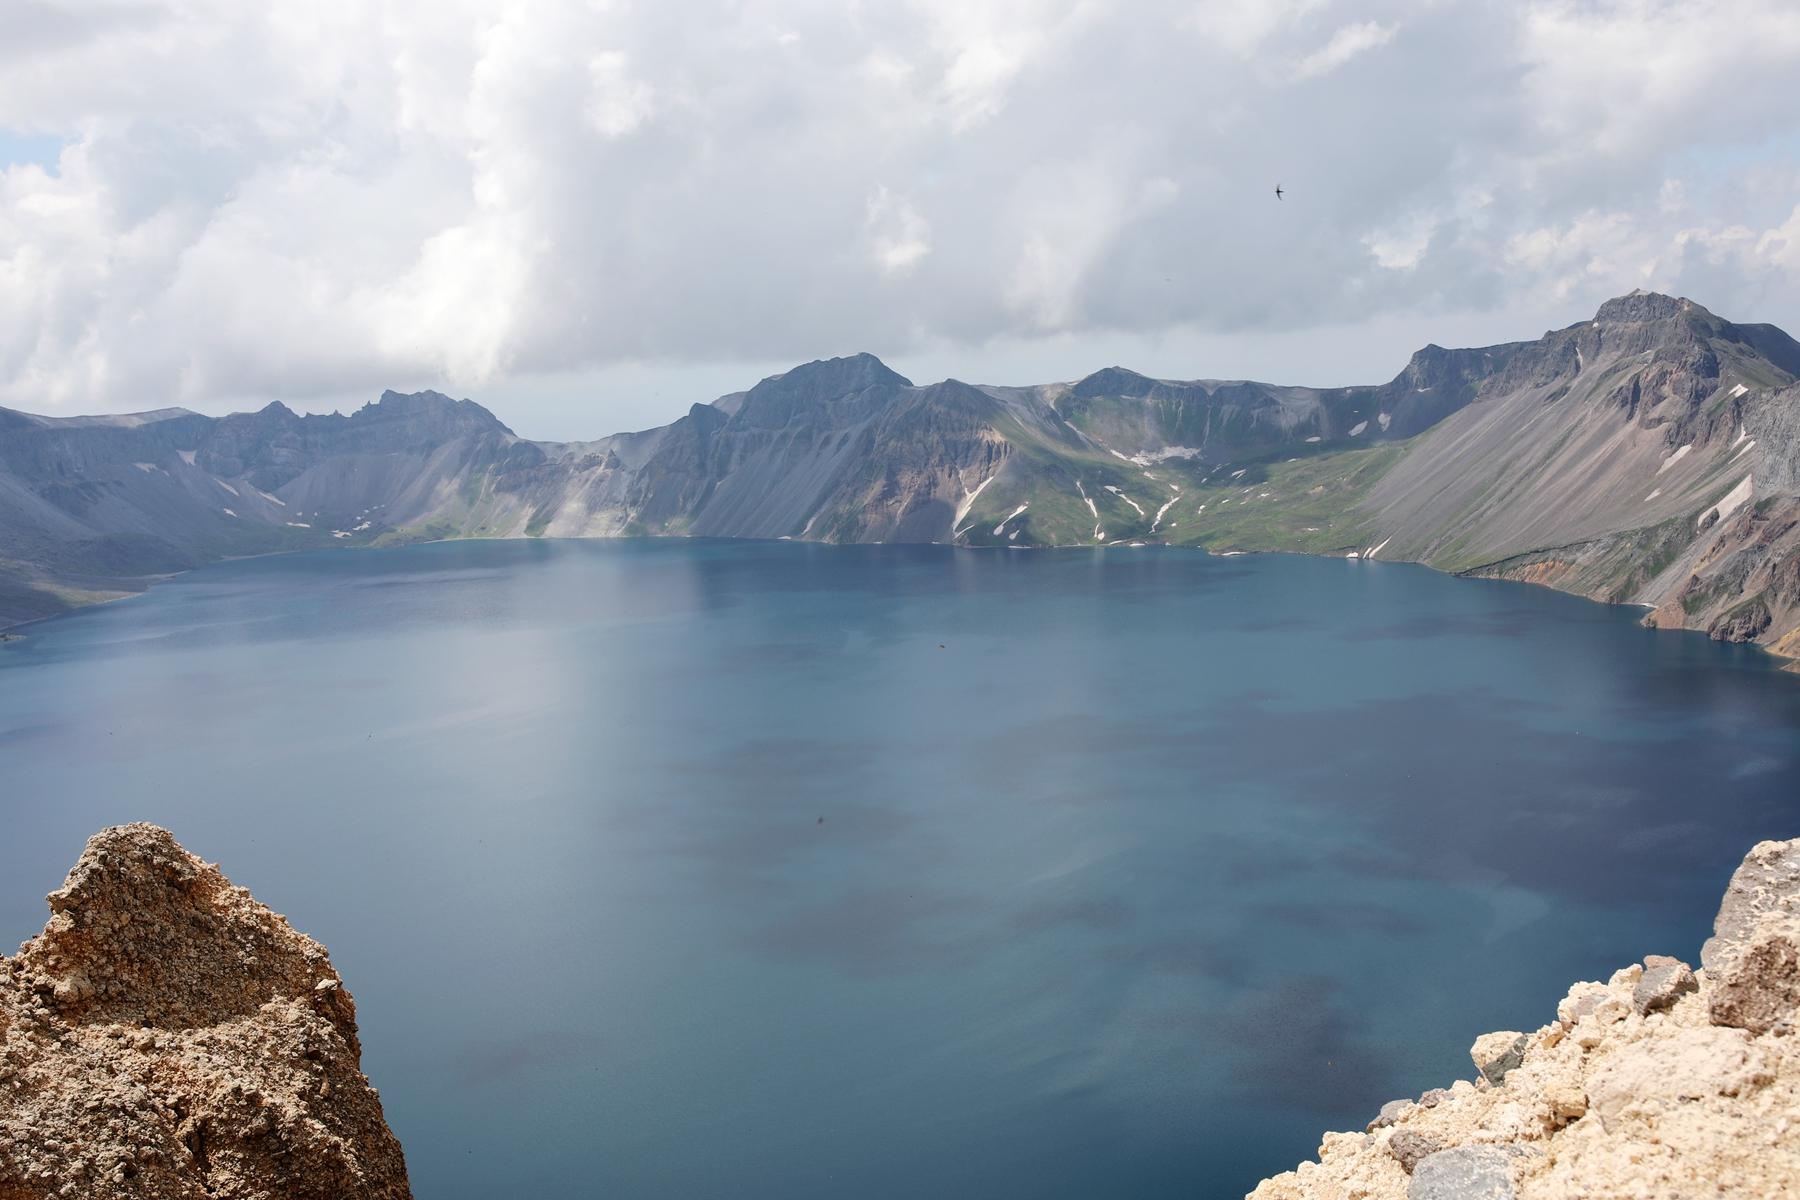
(1138, 869)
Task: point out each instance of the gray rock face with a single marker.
(1758, 988)
(1753, 957)
(1766, 883)
(1409, 1148)
(1465, 1173)
(1664, 981)
(1496, 1054)
(1390, 1112)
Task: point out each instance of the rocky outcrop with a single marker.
(1661, 1082)
(166, 1037)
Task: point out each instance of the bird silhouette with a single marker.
(1278, 191)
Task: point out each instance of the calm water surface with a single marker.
(687, 869)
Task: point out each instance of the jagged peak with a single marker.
(1640, 305)
(429, 403)
(1113, 381)
(840, 376)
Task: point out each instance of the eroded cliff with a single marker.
(167, 1036)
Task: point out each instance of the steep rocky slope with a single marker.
(1650, 455)
(1661, 1082)
(93, 507)
(166, 1037)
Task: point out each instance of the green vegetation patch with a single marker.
(1310, 504)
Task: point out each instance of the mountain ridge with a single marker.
(1649, 455)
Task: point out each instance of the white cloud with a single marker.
(617, 104)
(898, 236)
(1401, 247)
(1241, 28)
(1347, 43)
(310, 198)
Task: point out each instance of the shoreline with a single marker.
(1783, 662)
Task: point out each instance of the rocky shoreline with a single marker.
(168, 1038)
(1662, 1082)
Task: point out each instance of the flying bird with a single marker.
(1278, 191)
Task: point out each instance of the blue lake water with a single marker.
(713, 869)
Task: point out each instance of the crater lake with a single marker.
(735, 869)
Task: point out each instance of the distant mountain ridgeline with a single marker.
(1649, 455)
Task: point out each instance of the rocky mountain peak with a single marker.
(1641, 306)
(828, 378)
(433, 407)
(782, 398)
(1113, 381)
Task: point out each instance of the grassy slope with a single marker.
(1306, 503)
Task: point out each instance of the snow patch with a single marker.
(1087, 500)
(962, 510)
(228, 512)
(1357, 429)
(229, 488)
(1747, 446)
(1680, 453)
(271, 499)
(1737, 391)
(1385, 420)
(1127, 499)
(1734, 500)
(1314, 438)
(187, 456)
(1652, 495)
(299, 525)
(1371, 553)
(998, 529)
(1159, 514)
(146, 468)
(1148, 457)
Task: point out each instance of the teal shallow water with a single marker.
(1160, 866)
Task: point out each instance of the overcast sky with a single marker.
(588, 215)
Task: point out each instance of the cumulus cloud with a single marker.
(306, 199)
(1346, 44)
(898, 235)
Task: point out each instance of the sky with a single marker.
(589, 214)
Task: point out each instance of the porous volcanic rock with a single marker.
(167, 1036)
(1660, 1082)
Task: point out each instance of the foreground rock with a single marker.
(167, 1036)
(1661, 1082)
